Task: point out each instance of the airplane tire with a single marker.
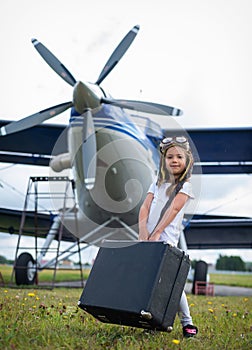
(200, 273)
(25, 270)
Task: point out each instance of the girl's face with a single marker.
(175, 160)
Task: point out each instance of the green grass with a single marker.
(46, 275)
(50, 319)
(74, 275)
(232, 279)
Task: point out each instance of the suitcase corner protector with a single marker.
(145, 314)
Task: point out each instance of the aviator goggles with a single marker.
(179, 140)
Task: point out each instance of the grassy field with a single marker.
(50, 319)
(232, 279)
(46, 275)
(74, 275)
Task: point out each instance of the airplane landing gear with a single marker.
(200, 273)
(25, 269)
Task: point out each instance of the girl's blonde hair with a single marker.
(164, 175)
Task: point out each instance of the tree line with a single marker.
(229, 263)
(5, 261)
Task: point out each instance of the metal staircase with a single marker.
(48, 200)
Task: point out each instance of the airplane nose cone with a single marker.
(84, 98)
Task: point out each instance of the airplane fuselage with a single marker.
(126, 164)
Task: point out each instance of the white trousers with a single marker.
(183, 311)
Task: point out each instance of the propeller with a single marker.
(53, 62)
(118, 53)
(89, 150)
(34, 119)
(85, 99)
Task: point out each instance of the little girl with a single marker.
(176, 162)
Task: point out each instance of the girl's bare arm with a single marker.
(143, 217)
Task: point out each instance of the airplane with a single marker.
(111, 153)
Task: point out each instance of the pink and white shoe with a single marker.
(189, 331)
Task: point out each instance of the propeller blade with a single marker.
(89, 150)
(53, 62)
(146, 107)
(118, 53)
(34, 119)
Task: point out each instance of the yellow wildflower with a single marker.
(175, 341)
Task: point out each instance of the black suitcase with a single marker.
(136, 284)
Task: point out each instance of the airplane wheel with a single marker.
(25, 269)
(200, 273)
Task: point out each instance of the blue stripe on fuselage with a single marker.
(115, 118)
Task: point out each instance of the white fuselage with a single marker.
(126, 166)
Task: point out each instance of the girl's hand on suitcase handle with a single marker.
(154, 237)
(143, 234)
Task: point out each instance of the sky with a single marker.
(195, 55)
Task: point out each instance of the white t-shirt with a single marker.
(172, 232)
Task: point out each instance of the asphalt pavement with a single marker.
(220, 290)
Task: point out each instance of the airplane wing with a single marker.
(202, 232)
(32, 146)
(220, 150)
(218, 232)
(10, 222)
